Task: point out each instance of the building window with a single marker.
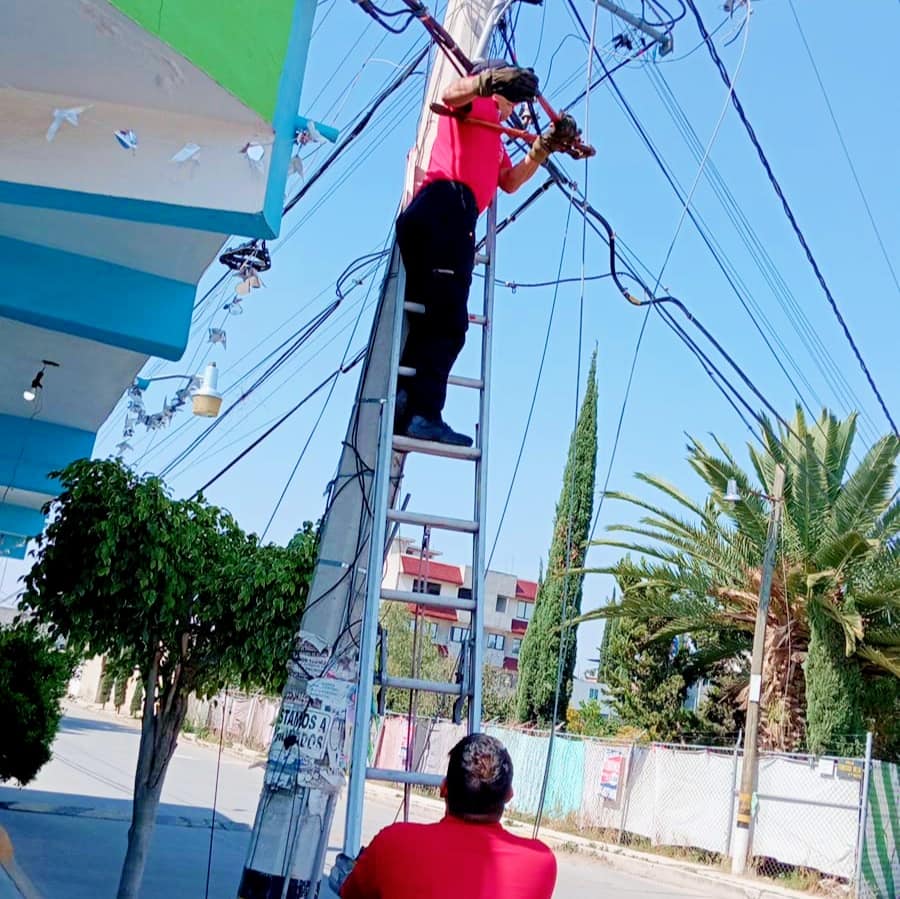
(524, 610)
(431, 629)
(464, 593)
(495, 641)
(593, 693)
(429, 587)
(501, 604)
(459, 634)
(515, 646)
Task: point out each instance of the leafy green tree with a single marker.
(559, 593)
(33, 679)
(498, 695)
(120, 691)
(833, 619)
(588, 720)
(173, 588)
(646, 680)
(107, 682)
(397, 622)
(137, 700)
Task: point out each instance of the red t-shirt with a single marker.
(452, 859)
(469, 153)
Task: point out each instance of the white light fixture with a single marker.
(731, 492)
(206, 399)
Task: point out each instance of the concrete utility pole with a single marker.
(750, 767)
(313, 739)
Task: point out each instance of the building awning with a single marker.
(431, 570)
(510, 664)
(519, 626)
(526, 590)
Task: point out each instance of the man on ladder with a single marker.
(436, 232)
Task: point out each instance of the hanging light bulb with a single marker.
(30, 393)
(207, 400)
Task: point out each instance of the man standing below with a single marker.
(436, 232)
(467, 853)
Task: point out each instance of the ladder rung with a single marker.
(431, 448)
(463, 525)
(426, 686)
(404, 777)
(426, 599)
(420, 309)
(456, 380)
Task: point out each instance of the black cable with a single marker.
(788, 211)
(212, 824)
(357, 130)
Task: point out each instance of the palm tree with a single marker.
(834, 617)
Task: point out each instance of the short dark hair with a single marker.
(479, 776)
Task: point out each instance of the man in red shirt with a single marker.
(467, 854)
(436, 232)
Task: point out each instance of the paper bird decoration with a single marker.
(127, 139)
(187, 152)
(217, 335)
(69, 115)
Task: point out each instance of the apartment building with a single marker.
(509, 601)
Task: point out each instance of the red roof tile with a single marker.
(435, 571)
(526, 589)
(435, 611)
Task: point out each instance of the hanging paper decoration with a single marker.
(296, 167)
(128, 430)
(217, 335)
(187, 153)
(123, 447)
(233, 306)
(69, 115)
(127, 139)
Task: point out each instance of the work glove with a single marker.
(559, 136)
(517, 85)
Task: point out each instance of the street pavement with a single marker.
(69, 826)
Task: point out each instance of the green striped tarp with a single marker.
(881, 861)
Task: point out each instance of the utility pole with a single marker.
(750, 766)
(329, 686)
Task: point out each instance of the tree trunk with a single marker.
(833, 688)
(159, 734)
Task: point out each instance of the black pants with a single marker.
(436, 235)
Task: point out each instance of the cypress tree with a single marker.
(559, 595)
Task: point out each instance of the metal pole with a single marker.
(666, 44)
(863, 816)
(732, 791)
(749, 769)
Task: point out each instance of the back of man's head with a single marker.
(479, 778)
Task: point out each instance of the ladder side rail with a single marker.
(479, 542)
(369, 634)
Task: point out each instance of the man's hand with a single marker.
(511, 82)
(558, 137)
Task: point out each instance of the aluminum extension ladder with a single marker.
(392, 451)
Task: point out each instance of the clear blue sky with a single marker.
(350, 213)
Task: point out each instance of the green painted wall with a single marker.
(239, 44)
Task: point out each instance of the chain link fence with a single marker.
(660, 797)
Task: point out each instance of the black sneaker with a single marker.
(436, 430)
(401, 411)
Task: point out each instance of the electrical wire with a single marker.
(843, 143)
(789, 213)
